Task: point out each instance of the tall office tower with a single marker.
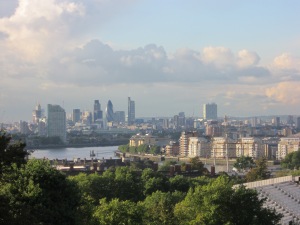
(37, 114)
(57, 122)
(276, 121)
(165, 123)
(24, 129)
(181, 119)
(119, 116)
(97, 114)
(76, 115)
(131, 112)
(109, 112)
(87, 117)
(290, 120)
(298, 123)
(210, 111)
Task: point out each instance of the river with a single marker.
(71, 153)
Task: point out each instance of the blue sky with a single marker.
(169, 56)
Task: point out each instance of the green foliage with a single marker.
(124, 148)
(166, 165)
(217, 203)
(118, 213)
(127, 184)
(243, 163)
(153, 181)
(159, 208)
(197, 165)
(39, 194)
(291, 161)
(140, 149)
(11, 153)
(259, 172)
(179, 183)
(155, 150)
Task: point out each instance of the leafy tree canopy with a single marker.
(292, 160)
(259, 172)
(243, 163)
(11, 153)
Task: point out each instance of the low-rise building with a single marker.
(198, 146)
(223, 147)
(286, 146)
(250, 146)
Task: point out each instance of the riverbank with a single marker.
(83, 145)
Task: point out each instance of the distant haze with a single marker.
(168, 56)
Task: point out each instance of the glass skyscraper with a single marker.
(56, 123)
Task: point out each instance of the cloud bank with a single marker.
(54, 46)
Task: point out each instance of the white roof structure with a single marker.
(282, 194)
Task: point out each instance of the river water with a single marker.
(84, 152)
(71, 153)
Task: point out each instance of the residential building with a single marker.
(172, 149)
(147, 139)
(184, 142)
(223, 147)
(250, 146)
(286, 146)
(198, 146)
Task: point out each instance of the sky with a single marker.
(169, 56)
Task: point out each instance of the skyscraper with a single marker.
(119, 116)
(210, 111)
(97, 114)
(56, 122)
(37, 114)
(131, 112)
(298, 123)
(76, 115)
(109, 112)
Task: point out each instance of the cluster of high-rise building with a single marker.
(207, 136)
(56, 123)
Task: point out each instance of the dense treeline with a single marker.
(33, 192)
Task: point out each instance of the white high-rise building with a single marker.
(56, 124)
(210, 111)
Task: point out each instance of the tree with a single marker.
(128, 185)
(153, 181)
(291, 161)
(118, 213)
(11, 153)
(197, 165)
(243, 163)
(39, 194)
(218, 203)
(166, 165)
(259, 172)
(159, 208)
(179, 183)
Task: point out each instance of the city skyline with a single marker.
(170, 56)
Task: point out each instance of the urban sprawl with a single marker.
(272, 137)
